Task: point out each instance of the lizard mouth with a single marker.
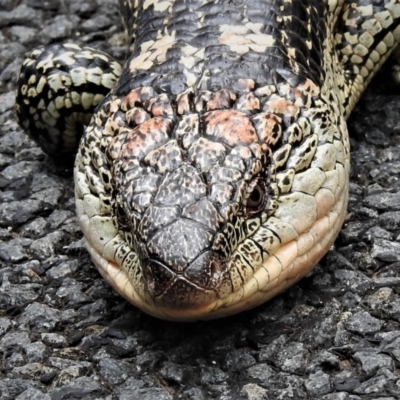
(285, 267)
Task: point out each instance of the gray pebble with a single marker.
(7, 101)
(11, 388)
(19, 212)
(173, 373)
(71, 291)
(386, 250)
(292, 358)
(252, 391)
(238, 360)
(390, 220)
(113, 371)
(21, 170)
(129, 389)
(15, 360)
(10, 53)
(40, 317)
(35, 352)
(10, 73)
(23, 34)
(363, 323)
(44, 248)
(318, 384)
(346, 381)
(63, 363)
(81, 388)
(392, 309)
(50, 197)
(15, 141)
(33, 394)
(384, 201)
(194, 394)
(212, 376)
(20, 15)
(371, 362)
(262, 372)
(60, 27)
(154, 394)
(99, 23)
(149, 359)
(19, 295)
(35, 228)
(350, 278)
(336, 396)
(375, 385)
(12, 251)
(324, 360)
(5, 325)
(54, 340)
(62, 270)
(58, 217)
(377, 232)
(5, 160)
(32, 371)
(378, 297)
(14, 340)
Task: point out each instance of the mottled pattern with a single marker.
(215, 173)
(59, 89)
(207, 45)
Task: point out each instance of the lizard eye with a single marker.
(256, 200)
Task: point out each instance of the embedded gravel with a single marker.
(64, 334)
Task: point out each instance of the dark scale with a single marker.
(167, 76)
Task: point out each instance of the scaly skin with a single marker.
(214, 175)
